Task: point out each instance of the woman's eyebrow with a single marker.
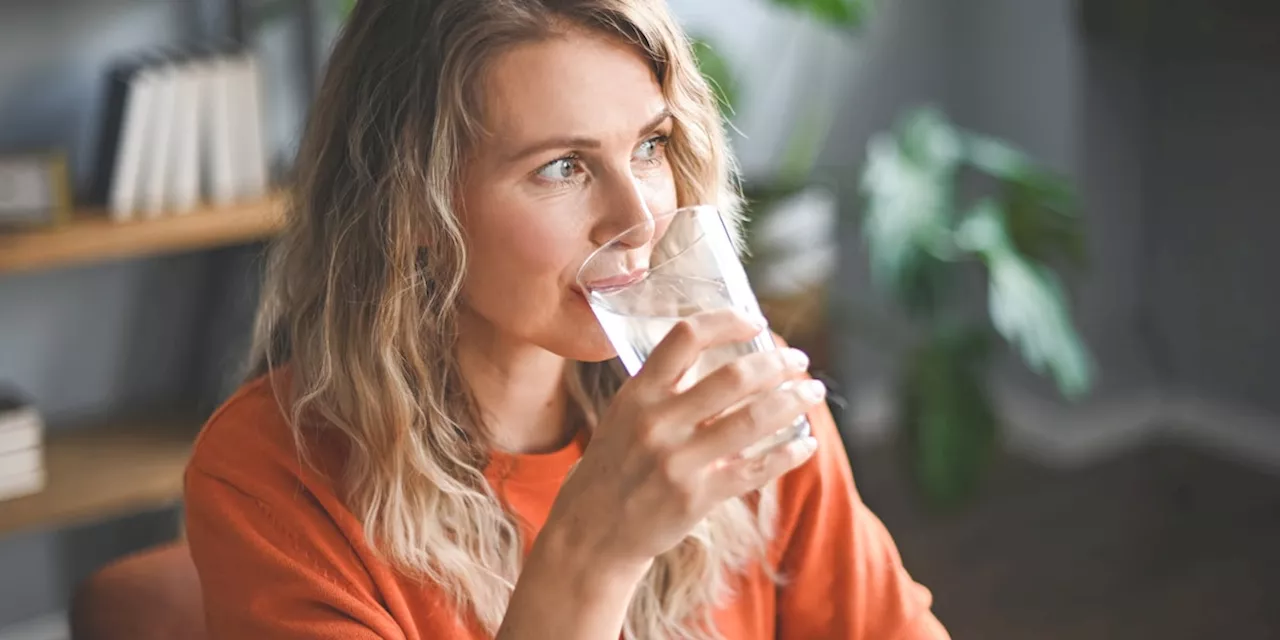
(578, 142)
(655, 122)
(553, 143)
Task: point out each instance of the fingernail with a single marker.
(811, 390)
(805, 446)
(795, 359)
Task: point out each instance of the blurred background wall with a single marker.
(1210, 204)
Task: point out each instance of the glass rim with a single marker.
(611, 242)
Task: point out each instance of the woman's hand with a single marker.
(661, 458)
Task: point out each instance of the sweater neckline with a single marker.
(527, 468)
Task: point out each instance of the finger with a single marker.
(757, 420)
(742, 475)
(737, 381)
(680, 348)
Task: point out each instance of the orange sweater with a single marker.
(280, 557)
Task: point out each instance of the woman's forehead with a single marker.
(577, 84)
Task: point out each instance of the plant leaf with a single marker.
(982, 229)
(1042, 219)
(1028, 308)
(1041, 207)
(930, 140)
(997, 158)
(906, 207)
(1027, 304)
(907, 184)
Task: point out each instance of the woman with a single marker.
(435, 446)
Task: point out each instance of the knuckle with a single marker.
(680, 487)
(685, 331)
(649, 430)
(763, 468)
(790, 397)
(737, 374)
(767, 414)
(670, 468)
(754, 470)
(777, 370)
(754, 416)
(781, 363)
(625, 398)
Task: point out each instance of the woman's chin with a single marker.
(587, 343)
(596, 348)
(599, 357)
(581, 336)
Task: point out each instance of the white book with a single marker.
(21, 428)
(239, 163)
(131, 155)
(183, 192)
(248, 160)
(253, 151)
(21, 484)
(22, 461)
(20, 438)
(155, 195)
(18, 414)
(219, 129)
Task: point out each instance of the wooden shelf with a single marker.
(92, 236)
(105, 471)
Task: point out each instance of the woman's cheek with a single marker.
(541, 247)
(658, 187)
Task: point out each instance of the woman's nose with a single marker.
(625, 217)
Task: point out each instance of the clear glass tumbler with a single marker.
(649, 277)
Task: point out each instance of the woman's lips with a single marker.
(618, 281)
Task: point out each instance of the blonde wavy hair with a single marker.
(362, 294)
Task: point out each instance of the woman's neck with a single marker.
(519, 388)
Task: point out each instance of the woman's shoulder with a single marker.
(249, 440)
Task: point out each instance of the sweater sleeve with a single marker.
(277, 568)
(842, 576)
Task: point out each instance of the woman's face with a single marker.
(575, 153)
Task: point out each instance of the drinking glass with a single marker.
(645, 280)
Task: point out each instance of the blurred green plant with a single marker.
(922, 242)
(924, 246)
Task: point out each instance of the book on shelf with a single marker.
(22, 469)
(181, 129)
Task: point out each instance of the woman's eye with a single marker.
(560, 170)
(650, 149)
